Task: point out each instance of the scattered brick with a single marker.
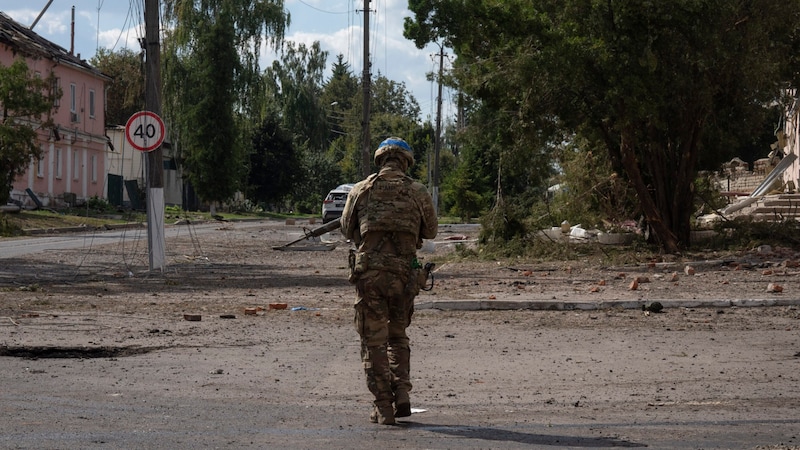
(674, 277)
(772, 287)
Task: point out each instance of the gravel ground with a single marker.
(97, 352)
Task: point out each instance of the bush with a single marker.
(7, 228)
(100, 205)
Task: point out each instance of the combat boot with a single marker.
(402, 404)
(382, 414)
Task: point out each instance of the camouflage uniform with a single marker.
(387, 216)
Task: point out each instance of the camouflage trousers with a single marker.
(383, 311)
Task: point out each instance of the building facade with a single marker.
(74, 151)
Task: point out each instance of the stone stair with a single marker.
(775, 208)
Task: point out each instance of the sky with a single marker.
(336, 24)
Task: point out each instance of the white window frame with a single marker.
(40, 165)
(58, 163)
(73, 98)
(76, 166)
(56, 86)
(94, 168)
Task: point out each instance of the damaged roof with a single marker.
(24, 41)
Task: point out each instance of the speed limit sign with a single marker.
(145, 131)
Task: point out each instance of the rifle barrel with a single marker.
(316, 232)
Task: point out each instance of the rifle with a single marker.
(425, 273)
(316, 232)
(428, 275)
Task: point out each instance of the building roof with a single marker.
(25, 41)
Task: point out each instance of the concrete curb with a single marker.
(547, 305)
(123, 226)
(82, 228)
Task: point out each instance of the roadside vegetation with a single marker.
(609, 115)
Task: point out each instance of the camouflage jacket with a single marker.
(389, 212)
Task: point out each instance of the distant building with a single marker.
(73, 165)
(125, 168)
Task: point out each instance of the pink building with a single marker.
(72, 168)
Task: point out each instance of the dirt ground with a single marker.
(225, 267)
(95, 324)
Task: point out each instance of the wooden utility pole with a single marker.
(365, 85)
(437, 144)
(154, 159)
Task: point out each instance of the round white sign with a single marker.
(145, 131)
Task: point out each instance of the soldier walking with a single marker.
(387, 216)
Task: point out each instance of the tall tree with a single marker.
(295, 81)
(275, 166)
(125, 92)
(294, 86)
(212, 85)
(653, 83)
(26, 101)
(339, 96)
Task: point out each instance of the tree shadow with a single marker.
(498, 434)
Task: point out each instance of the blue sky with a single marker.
(336, 24)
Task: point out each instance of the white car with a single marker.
(333, 205)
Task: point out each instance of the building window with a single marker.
(94, 168)
(40, 165)
(58, 163)
(56, 91)
(73, 97)
(76, 165)
(91, 103)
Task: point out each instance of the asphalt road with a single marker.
(504, 380)
(12, 248)
(112, 365)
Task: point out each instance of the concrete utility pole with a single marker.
(154, 159)
(365, 84)
(42, 13)
(437, 144)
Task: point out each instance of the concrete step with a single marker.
(791, 210)
(773, 217)
(782, 203)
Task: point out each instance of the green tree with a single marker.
(342, 95)
(342, 87)
(656, 84)
(393, 112)
(213, 87)
(125, 92)
(26, 101)
(339, 96)
(295, 82)
(275, 167)
(465, 191)
(294, 85)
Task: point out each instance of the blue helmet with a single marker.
(397, 146)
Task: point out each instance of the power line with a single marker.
(322, 10)
(123, 29)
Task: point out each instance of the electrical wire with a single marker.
(123, 29)
(322, 10)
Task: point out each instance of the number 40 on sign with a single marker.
(145, 131)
